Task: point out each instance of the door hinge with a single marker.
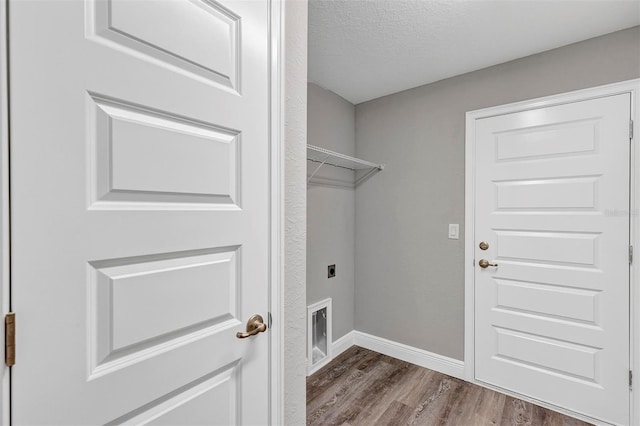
(630, 379)
(630, 255)
(10, 339)
(630, 129)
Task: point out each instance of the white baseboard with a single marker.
(426, 359)
(337, 347)
(343, 343)
(318, 366)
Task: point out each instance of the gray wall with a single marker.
(331, 209)
(409, 276)
(292, 323)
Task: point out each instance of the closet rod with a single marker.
(352, 163)
(323, 156)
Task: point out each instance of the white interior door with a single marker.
(552, 202)
(139, 203)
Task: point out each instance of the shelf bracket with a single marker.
(366, 176)
(318, 168)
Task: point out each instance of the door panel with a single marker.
(209, 50)
(137, 155)
(140, 210)
(552, 318)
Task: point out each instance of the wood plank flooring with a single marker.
(362, 387)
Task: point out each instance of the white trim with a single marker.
(426, 359)
(343, 343)
(326, 304)
(635, 241)
(318, 366)
(559, 99)
(631, 86)
(5, 303)
(276, 261)
(337, 347)
(469, 249)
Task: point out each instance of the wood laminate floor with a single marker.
(362, 387)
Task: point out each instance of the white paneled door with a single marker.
(140, 210)
(552, 292)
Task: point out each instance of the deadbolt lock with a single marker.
(483, 245)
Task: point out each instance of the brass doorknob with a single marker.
(255, 325)
(483, 263)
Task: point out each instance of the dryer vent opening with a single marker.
(319, 334)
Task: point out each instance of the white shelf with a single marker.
(324, 156)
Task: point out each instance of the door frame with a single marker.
(629, 86)
(276, 210)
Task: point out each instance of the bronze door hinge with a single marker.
(10, 339)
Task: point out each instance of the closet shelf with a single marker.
(324, 156)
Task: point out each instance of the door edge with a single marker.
(5, 295)
(276, 239)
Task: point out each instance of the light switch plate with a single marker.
(454, 231)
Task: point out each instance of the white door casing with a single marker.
(551, 200)
(140, 187)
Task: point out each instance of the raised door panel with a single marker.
(552, 319)
(199, 37)
(151, 155)
(141, 158)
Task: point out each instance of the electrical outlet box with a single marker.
(331, 271)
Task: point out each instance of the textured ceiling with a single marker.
(364, 49)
